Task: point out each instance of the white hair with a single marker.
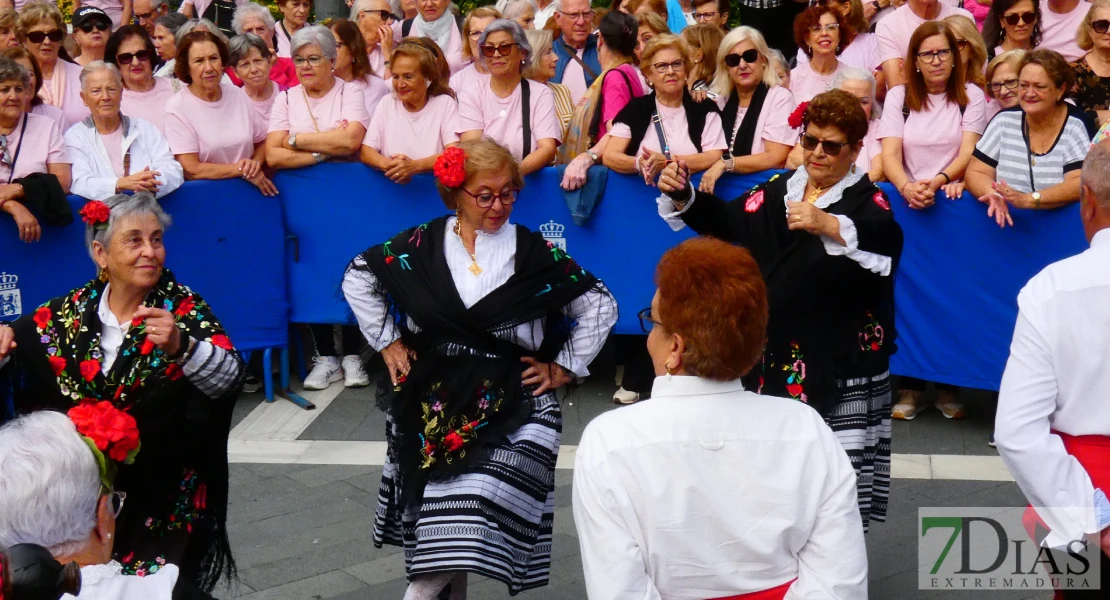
(49, 484)
(511, 9)
(192, 25)
(95, 67)
(1096, 174)
(722, 83)
(252, 10)
(856, 74)
(120, 207)
(314, 35)
(360, 5)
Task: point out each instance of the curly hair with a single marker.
(483, 155)
(712, 294)
(839, 109)
(811, 17)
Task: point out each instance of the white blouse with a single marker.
(595, 312)
(107, 582)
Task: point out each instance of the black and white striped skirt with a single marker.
(861, 421)
(494, 521)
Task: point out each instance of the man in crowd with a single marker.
(1053, 421)
(578, 62)
(894, 32)
(149, 11)
(712, 12)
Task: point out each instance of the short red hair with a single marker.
(712, 294)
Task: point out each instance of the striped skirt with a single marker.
(861, 421)
(494, 521)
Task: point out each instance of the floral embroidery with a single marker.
(447, 438)
(417, 234)
(390, 257)
(880, 200)
(189, 505)
(871, 336)
(796, 374)
(753, 202)
(141, 568)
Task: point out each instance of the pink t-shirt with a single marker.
(377, 60)
(284, 46)
(42, 145)
(862, 53)
(374, 89)
(70, 102)
(221, 132)
(294, 111)
(149, 106)
(805, 83)
(616, 91)
(931, 138)
(501, 119)
(575, 78)
(773, 122)
(113, 143)
(51, 112)
(467, 78)
(262, 107)
(894, 30)
(453, 51)
(394, 130)
(872, 147)
(677, 130)
(1058, 30)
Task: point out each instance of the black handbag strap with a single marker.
(664, 145)
(526, 116)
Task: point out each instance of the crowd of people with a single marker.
(1001, 100)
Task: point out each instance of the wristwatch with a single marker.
(293, 141)
(593, 156)
(319, 157)
(1036, 199)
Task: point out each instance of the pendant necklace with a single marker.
(473, 268)
(815, 194)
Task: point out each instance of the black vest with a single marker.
(637, 115)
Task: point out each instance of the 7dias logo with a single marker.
(990, 549)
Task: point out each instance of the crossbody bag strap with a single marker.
(574, 55)
(526, 116)
(664, 145)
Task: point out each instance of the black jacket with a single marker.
(637, 115)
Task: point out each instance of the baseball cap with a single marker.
(90, 14)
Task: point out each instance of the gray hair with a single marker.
(123, 206)
(513, 9)
(240, 46)
(192, 25)
(512, 28)
(361, 5)
(251, 10)
(317, 35)
(395, 8)
(1096, 174)
(857, 74)
(95, 67)
(49, 484)
(11, 70)
(173, 21)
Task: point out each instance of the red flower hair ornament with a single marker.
(112, 435)
(450, 168)
(797, 118)
(95, 213)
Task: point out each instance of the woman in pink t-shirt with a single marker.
(1013, 25)
(496, 107)
(144, 95)
(473, 27)
(413, 127)
(34, 104)
(322, 118)
(294, 18)
(43, 31)
(352, 63)
(255, 18)
(252, 59)
(211, 128)
(822, 34)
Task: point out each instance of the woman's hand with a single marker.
(574, 176)
(1012, 196)
(161, 329)
(869, 11)
(400, 168)
(7, 341)
(674, 180)
(143, 181)
(28, 225)
(954, 190)
(249, 168)
(548, 376)
(710, 177)
(807, 217)
(998, 209)
(385, 32)
(651, 163)
(699, 95)
(398, 360)
(264, 184)
(917, 194)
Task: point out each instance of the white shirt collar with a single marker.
(677, 386)
(107, 317)
(1101, 237)
(796, 187)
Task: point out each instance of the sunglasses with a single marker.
(38, 37)
(489, 50)
(810, 143)
(751, 57)
(1100, 26)
(127, 57)
(99, 26)
(1028, 17)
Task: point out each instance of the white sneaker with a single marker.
(623, 396)
(353, 373)
(326, 372)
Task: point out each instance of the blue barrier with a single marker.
(226, 243)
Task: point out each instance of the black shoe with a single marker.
(251, 384)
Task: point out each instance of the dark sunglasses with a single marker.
(384, 15)
(99, 26)
(751, 57)
(38, 37)
(810, 143)
(1028, 17)
(127, 57)
(489, 50)
(1100, 26)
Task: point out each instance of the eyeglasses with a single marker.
(1100, 26)
(705, 16)
(99, 26)
(675, 66)
(1010, 84)
(38, 37)
(313, 61)
(1013, 18)
(116, 499)
(127, 57)
(647, 322)
(384, 15)
(931, 57)
(751, 57)
(585, 15)
(810, 143)
(829, 27)
(489, 50)
(486, 199)
(145, 16)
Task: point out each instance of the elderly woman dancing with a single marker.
(479, 322)
(822, 232)
(138, 339)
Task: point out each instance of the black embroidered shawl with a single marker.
(463, 394)
(177, 489)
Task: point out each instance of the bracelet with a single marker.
(902, 190)
(638, 164)
(947, 179)
(730, 162)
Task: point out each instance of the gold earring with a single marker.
(102, 275)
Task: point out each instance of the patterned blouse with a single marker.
(564, 107)
(1091, 92)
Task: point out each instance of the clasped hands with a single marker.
(922, 193)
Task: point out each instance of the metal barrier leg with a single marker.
(267, 373)
(285, 391)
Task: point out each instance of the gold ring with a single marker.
(153, 330)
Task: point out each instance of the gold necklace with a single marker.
(473, 268)
(815, 194)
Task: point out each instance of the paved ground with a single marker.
(303, 531)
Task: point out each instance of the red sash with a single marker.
(776, 593)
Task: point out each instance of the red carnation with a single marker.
(95, 212)
(110, 429)
(875, 346)
(187, 305)
(796, 117)
(57, 364)
(221, 341)
(89, 369)
(42, 316)
(450, 167)
(453, 442)
(174, 372)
